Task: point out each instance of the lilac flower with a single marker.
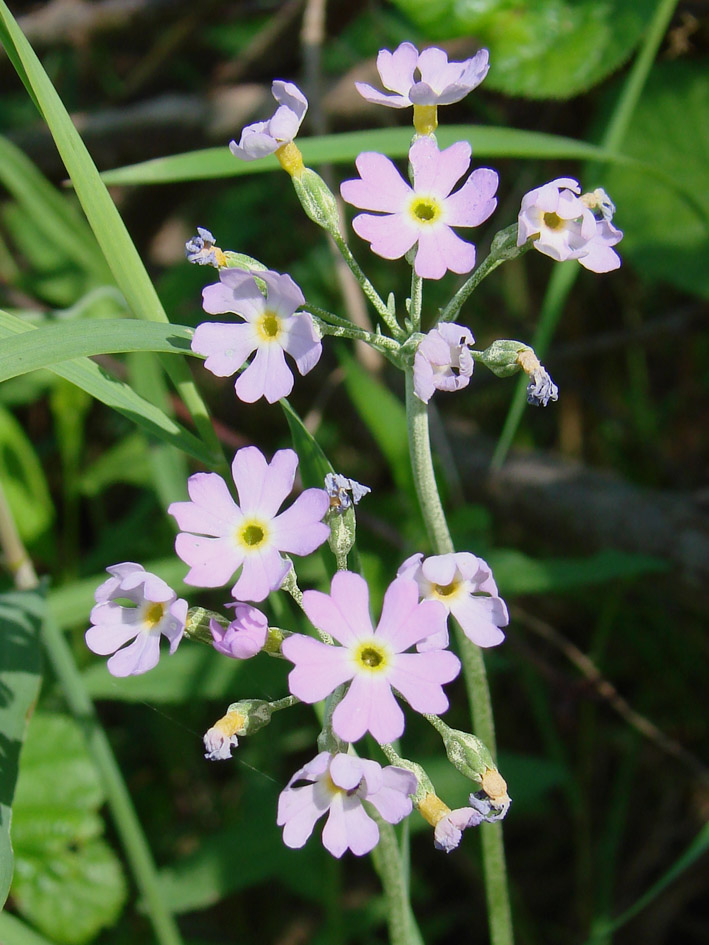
(154, 610)
(439, 82)
(448, 832)
(443, 361)
(423, 214)
(338, 784)
(374, 660)
(465, 586)
(203, 250)
(244, 637)
(251, 535)
(265, 137)
(561, 225)
(270, 328)
(344, 492)
(219, 741)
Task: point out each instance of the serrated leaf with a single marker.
(518, 573)
(21, 615)
(665, 238)
(540, 48)
(68, 882)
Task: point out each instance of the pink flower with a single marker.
(448, 832)
(443, 360)
(244, 637)
(270, 328)
(265, 137)
(338, 784)
(561, 225)
(439, 82)
(465, 586)
(374, 660)
(251, 535)
(155, 610)
(423, 214)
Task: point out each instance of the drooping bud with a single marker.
(502, 357)
(242, 718)
(203, 251)
(540, 389)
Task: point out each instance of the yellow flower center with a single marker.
(269, 326)
(153, 615)
(553, 221)
(372, 657)
(251, 534)
(444, 591)
(425, 210)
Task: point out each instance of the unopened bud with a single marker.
(242, 261)
(197, 624)
(317, 200)
(503, 356)
(466, 752)
(242, 718)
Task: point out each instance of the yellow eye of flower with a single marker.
(425, 210)
(269, 326)
(553, 221)
(444, 591)
(372, 656)
(153, 615)
(251, 534)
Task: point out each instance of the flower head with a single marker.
(134, 604)
(337, 785)
(465, 586)
(561, 224)
(270, 328)
(251, 535)
(203, 250)
(448, 832)
(374, 660)
(344, 492)
(265, 137)
(443, 361)
(245, 636)
(422, 214)
(424, 78)
(219, 741)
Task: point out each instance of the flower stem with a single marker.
(403, 929)
(368, 288)
(125, 819)
(499, 914)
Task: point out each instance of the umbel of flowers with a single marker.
(246, 535)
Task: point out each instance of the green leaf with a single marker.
(23, 480)
(21, 615)
(665, 238)
(314, 464)
(127, 461)
(540, 48)
(487, 142)
(50, 345)
(68, 882)
(517, 573)
(109, 390)
(385, 417)
(14, 932)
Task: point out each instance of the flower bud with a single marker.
(242, 261)
(197, 624)
(242, 718)
(466, 752)
(317, 200)
(502, 357)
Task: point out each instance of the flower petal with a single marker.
(263, 486)
(369, 706)
(212, 561)
(437, 172)
(381, 186)
(262, 573)
(299, 529)
(301, 341)
(475, 201)
(391, 236)
(419, 677)
(349, 827)
(319, 668)
(226, 346)
(344, 613)
(142, 655)
(267, 376)
(439, 250)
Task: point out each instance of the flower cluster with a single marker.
(239, 535)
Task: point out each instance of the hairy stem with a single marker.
(387, 858)
(499, 914)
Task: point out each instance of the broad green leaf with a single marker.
(114, 393)
(540, 48)
(14, 931)
(44, 347)
(517, 573)
(23, 480)
(68, 882)
(21, 615)
(385, 416)
(487, 142)
(51, 212)
(664, 237)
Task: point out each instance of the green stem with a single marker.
(416, 301)
(475, 676)
(403, 929)
(127, 824)
(564, 275)
(368, 288)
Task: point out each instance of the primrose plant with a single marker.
(367, 674)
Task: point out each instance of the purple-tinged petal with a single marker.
(440, 569)
(212, 510)
(254, 144)
(437, 641)
(299, 529)
(436, 172)
(402, 621)
(219, 298)
(424, 387)
(381, 186)
(390, 236)
(376, 97)
(396, 69)
(369, 706)
(419, 677)
(475, 201)
(300, 816)
(301, 341)
(263, 572)
(212, 561)
(284, 295)
(106, 638)
(439, 250)
(140, 657)
(409, 567)
(476, 621)
(344, 613)
(319, 668)
(349, 827)
(346, 771)
(263, 487)
(226, 346)
(267, 376)
(288, 94)
(392, 800)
